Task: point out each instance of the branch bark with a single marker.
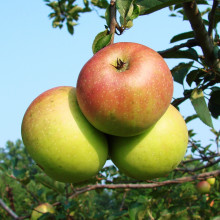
(212, 17)
(189, 43)
(201, 176)
(8, 210)
(201, 35)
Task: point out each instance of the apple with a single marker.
(211, 180)
(203, 187)
(41, 209)
(124, 89)
(60, 139)
(154, 153)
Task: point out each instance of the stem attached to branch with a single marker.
(113, 21)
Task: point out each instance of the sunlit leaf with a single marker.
(149, 6)
(200, 106)
(101, 40)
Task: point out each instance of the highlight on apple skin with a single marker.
(124, 89)
(60, 139)
(154, 153)
(211, 180)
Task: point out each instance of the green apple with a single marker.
(41, 209)
(203, 187)
(60, 139)
(211, 180)
(154, 153)
(124, 89)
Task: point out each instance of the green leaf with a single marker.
(124, 6)
(190, 118)
(134, 209)
(100, 3)
(107, 16)
(186, 54)
(3, 167)
(149, 6)
(179, 72)
(214, 103)
(182, 36)
(70, 27)
(135, 13)
(200, 106)
(191, 77)
(19, 173)
(49, 183)
(101, 40)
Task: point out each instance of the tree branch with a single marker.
(199, 168)
(201, 176)
(8, 210)
(189, 43)
(201, 35)
(212, 17)
(113, 21)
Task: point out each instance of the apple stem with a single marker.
(114, 24)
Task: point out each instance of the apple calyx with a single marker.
(121, 66)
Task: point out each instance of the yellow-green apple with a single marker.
(203, 187)
(41, 209)
(154, 153)
(211, 180)
(124, 88)
(60, 139)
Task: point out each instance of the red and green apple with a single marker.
(60, 139)
(124, 89)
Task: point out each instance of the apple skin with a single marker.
(211, 180)
(154, 153)
(42, 208)
(124, 102)
(60, 139)
(203, 187)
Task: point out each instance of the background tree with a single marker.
(170, 197)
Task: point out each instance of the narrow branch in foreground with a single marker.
(199, 168)
(200, 176)
(8, 210)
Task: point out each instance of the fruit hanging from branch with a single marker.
(154, 153)
(124, 89)
(60, 139)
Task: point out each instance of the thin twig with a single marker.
(148, 185)
(199, 168)
(8, 210)
(189, 43)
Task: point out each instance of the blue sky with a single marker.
(35, 57)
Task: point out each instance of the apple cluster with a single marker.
(120, 107)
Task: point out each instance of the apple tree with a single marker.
(111, 194)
